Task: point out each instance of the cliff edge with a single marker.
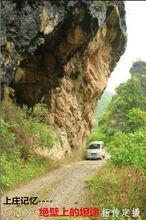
(61, 53)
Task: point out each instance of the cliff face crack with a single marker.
(65, 60)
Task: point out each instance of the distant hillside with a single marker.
(138, 67)
(138, 70)
(103, 103)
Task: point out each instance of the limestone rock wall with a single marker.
(62, 53)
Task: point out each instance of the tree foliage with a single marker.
(122, 126)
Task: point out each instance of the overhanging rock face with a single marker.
(62, 53)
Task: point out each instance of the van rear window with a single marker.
(94, 146)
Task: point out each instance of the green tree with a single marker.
(129, 95)
(135, 119)
(122, 125)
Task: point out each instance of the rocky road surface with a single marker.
(63, 187)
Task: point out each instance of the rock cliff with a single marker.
(62, 53)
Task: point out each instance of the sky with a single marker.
(136, 45)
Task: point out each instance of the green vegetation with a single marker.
(102, 106)
(22, 131)
(15, 171)
(103, 103)
(118, 188)
(123, 129)
(132, 150)
(123, 126)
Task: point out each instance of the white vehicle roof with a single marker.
(96, 142)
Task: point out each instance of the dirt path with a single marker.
(63, 187)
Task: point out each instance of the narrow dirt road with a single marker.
(63, 187)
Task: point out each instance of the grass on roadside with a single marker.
(16, 172)
(118, 188)
(22, 131)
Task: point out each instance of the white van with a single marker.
(95, 150)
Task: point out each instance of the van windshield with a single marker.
(94, 146)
